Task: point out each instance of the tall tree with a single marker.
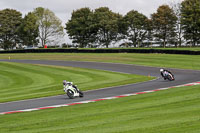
(136, 25)
(50, 26)
(164, 23)
(10, 21)
(149, 35)
(28, 30)
(177, 10)
(190, 19)
(80, 27)
(106, 22)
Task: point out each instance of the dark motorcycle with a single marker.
(168, 76)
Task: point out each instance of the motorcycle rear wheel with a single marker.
(170, 77)
(81, 94)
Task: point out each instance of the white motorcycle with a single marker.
(72, 91)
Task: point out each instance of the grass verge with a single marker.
(168, 111)
(157, 60)
(25, 81)
(156, 48)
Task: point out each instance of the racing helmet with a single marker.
(161, 70)
(64, 82)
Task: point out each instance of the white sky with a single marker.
(64, 8)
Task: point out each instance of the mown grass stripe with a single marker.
(156, 60)
(25, 81)
(173, 110)
(101, 99)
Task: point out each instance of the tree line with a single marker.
(170, 25)
(173, 25)
(41, 25)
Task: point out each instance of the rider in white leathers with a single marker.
(65, 83)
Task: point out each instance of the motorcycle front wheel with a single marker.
(70, 94)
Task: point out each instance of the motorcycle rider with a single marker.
(164, 73)
(69, 83)
(64, 83)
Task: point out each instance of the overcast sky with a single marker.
(64, 8)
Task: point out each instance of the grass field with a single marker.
(168, 111)
(158, 60)
(166, 48)
(24, 81)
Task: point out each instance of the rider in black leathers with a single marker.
(163, 71)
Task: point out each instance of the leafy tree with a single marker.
(50, 28)
(177, 10)
(106, 22)
(190, 19)
(122, 29)
(28, 30)
(136, 26)
(10, 21)
(164, 23)
(149, 29)
(80, 27)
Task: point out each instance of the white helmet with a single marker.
(64, 82)
(161, 70)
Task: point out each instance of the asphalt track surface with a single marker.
(181, 76)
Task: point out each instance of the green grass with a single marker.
(168, 111)
(158, 60)
(166, 48)
(25, 81)
(173, 48)
(180, 48)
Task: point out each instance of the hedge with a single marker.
(75, 50)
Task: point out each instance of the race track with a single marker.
(182, 77)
